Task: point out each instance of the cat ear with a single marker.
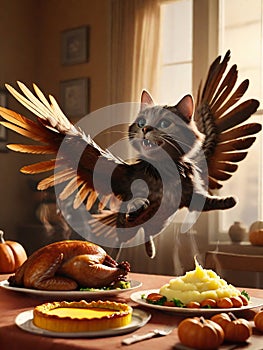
(146, 100)
(186, 106)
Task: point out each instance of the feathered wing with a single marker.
(50, 130)
(227, 139)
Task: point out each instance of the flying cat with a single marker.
(184, 152)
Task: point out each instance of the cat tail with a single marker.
(225, 141)
(202, 202)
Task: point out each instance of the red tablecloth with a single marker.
(12, 337)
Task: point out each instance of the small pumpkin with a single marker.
(12, 255)
(235, 329)
(256, 237)
(255, 226)
(258, 320)
(200, 333)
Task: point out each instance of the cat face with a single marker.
(157, 129)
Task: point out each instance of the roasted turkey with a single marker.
(68, 265)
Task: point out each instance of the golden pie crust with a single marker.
(81, 316)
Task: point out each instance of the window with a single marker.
(176, 51)
(241, 31)
(193, 33)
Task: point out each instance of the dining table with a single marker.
(13, 303)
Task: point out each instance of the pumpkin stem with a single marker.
(2, 237)
(232, 316)
(202, 320)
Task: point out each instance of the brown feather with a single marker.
(234, 157)
(40, 167)
(237, 115)
(106, 217)
(224, 166)
(224, 89)
(70, 188)
(241, 131)
(228, 103)
(60, 177)
(81, 195)
(20, 121)
(104, 200)
(91, 200)
(214, 184)
(214, 76)
(235, 145)
(220, 175)
(34, 149)
(15, 118)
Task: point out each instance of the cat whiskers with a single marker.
(166, 139)
(183, 150)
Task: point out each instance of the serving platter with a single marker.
(137, 297)
(70, 295)
(139, 318)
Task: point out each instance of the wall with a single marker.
(30, 52)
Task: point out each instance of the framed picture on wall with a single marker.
(75, 45)
(3, 130)
(75, 97)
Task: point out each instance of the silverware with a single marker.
(154, 333)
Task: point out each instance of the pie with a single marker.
(81, 316)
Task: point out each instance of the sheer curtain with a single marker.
(135, 26)
(134, 48)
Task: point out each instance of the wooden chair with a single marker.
(238, 269)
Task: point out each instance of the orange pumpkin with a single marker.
(255, 226)
(235, 329)
(256, 237)
(200, 333)
(12, 255)
(258, 320)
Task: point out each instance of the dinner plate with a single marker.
(68, 295)
(139, 318)
(137, 297)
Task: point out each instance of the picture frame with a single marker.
(3, 130)
(75, 97)
(75, 45)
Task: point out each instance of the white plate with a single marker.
(137, 297)
(139, 318)
(70, 294)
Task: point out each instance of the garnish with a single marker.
(178, 303)
(245, 294)
(117, 285)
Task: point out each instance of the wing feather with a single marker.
(34, 149)
(49, 130)
(226, 137)
(40, 167)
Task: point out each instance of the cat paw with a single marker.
(229, 202)
(135, 207)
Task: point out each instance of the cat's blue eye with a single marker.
(141, 122)
(164, 123)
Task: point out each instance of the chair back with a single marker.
(237, 262)
(237, 269)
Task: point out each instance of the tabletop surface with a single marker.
(12, 337)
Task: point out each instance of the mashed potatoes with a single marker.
(198, 285)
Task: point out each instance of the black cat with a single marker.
(182, 155)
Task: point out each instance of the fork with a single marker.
(154, 333)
